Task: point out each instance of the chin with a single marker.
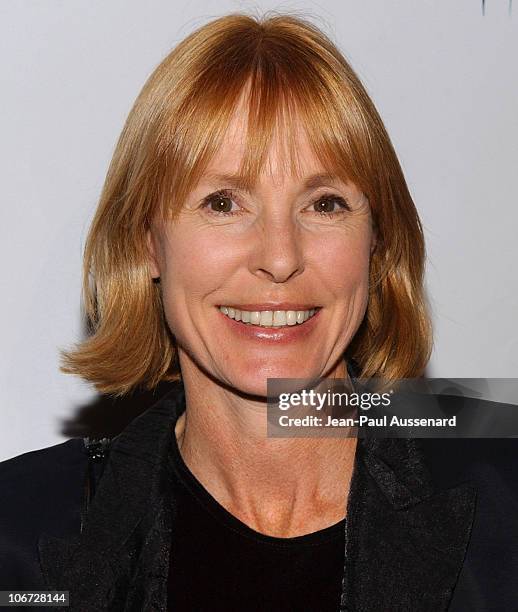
(256, 382)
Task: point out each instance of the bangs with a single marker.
(286, 90)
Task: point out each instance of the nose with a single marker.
(276, 250)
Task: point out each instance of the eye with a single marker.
(219, 203)
(325, 204)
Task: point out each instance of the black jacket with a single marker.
(432, 524)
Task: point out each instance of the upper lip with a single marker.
(272, 306)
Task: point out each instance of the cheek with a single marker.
(197, 262)
(202, 256)
(345, 264)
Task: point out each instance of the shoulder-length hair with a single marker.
(174, 128)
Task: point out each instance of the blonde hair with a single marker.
(174, 128)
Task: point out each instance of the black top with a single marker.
(219, 563)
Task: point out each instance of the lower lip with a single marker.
(273, 335)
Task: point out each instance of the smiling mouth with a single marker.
(272, 319)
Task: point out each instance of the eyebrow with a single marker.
(235, 180)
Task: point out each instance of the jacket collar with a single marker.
(120, 560)
(405, 540)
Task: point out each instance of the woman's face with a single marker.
(274, 247)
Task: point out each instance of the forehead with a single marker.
(281, 163)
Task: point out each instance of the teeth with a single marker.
(255, 317)
(269, 318)
(245, 316)
(279, 318)
(266, 318)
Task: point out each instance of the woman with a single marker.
(255, 223)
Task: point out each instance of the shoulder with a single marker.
(41, 493)
(483, 460)
(44, 471)
(43, 458)
(488, 465)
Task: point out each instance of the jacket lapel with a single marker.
(406, 541)
(121, 559)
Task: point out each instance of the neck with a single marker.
(278, 486)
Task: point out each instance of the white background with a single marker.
(443, 77)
